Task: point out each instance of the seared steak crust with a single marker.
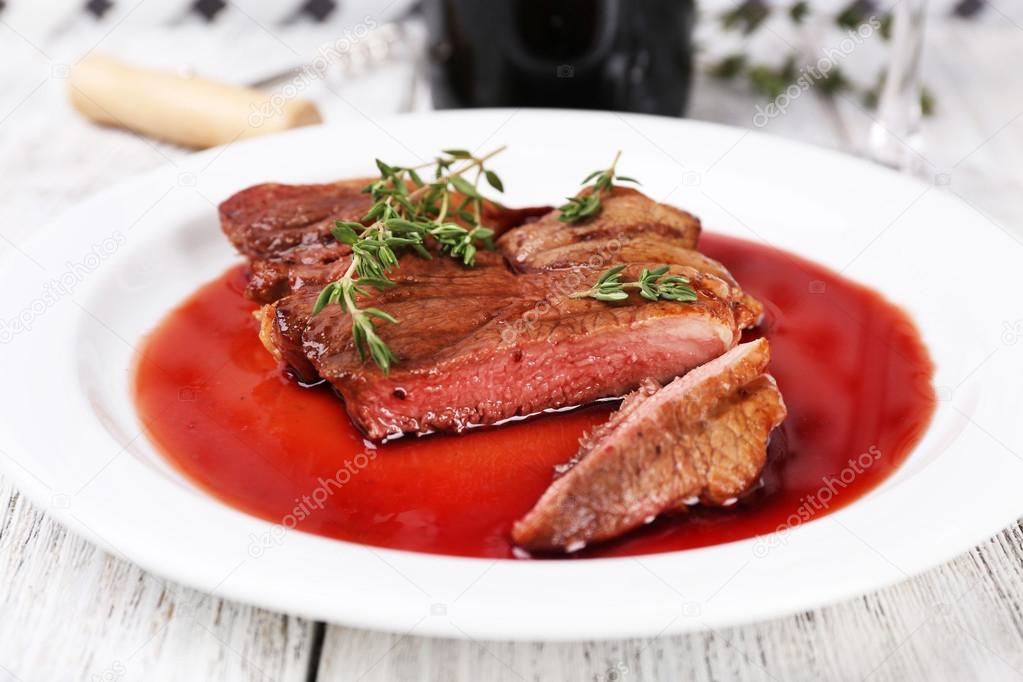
(624, 215)
(703, 436)
(285, 230)
(268, 221)
(630, 228)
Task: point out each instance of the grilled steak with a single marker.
(483, 344)
(703, 436)
(624, 215)
(285, 230)
(506, 339)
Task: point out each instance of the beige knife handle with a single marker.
(190, 111)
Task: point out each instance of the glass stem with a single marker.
(895, 134)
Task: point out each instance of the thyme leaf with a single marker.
(580, 208)
(407, 212)
(652, 285)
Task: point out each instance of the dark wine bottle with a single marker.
(581, 54)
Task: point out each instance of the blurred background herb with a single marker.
(771, 79)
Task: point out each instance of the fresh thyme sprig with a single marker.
(652, 284)
(610, 287)
(580, 208)
(406, 211)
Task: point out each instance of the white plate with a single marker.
(70, 438)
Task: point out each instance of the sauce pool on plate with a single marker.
(854, 373)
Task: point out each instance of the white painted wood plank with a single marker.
(69, 611)
(961, 621)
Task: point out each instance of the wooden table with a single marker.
(70, 611)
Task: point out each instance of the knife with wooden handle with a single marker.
(186, 110)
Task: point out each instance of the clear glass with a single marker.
(895, 134)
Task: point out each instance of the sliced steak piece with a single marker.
(480, 345)
(285, 230)
(266, 221)
(631, 228)
(270, 280)
(645, 248)
(702, 436)
(625, 214)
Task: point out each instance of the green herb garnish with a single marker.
(580, 208)
(610, 287)
(747, 16)
(406, 211)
